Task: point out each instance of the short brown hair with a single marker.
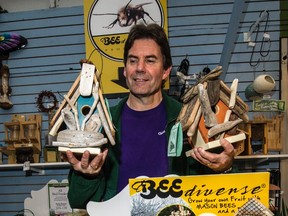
(151, 31)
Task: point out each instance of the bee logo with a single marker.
(128, 15)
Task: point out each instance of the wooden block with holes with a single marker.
(274, 133)
(257, 137)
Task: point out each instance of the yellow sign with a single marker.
(221, 194)
(107, 24)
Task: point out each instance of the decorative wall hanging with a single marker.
(5, 89)
(260, 88)
(10, 42)
(46, 97)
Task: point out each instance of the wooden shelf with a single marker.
(67, 165)
(274, 156)
(35, 165)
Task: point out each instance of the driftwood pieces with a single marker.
(233, 93)
(73, 94)
(209, 116)
(193, 127)
(69, 119)
(75, 111)
(80, 139)
(225, 126)
(111, 132)
(192, 92)
(213, 90)
(211, 110)
(240, 108)
(84, 132)
(188, 112)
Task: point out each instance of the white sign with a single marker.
(58, 201)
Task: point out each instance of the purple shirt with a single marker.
(143, 144)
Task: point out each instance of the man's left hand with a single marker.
(218, 162)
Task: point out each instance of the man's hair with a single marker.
(150, 31)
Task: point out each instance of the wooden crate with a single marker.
(23, 136)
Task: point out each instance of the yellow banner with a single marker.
(107, 24)
(221, 194)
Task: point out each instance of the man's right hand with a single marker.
(84, 165)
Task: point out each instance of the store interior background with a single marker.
(207, 32)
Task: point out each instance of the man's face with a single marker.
(144, 70)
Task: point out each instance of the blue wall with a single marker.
(206, 31)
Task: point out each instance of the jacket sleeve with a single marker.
(83, 189)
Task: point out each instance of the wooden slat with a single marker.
(197, 30)
(40, 14)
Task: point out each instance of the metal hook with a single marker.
(265, 53)
(253, 50)
(256, 27)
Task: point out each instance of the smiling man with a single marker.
(144, 74)
(143, 122)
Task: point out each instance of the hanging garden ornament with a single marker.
(46, 97)
(5, 89)
(10, 42)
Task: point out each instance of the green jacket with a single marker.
(104, 186)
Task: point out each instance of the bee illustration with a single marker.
(128, 15)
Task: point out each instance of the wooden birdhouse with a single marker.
(85, 114)
(211, 111)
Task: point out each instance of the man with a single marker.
(143, 123)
